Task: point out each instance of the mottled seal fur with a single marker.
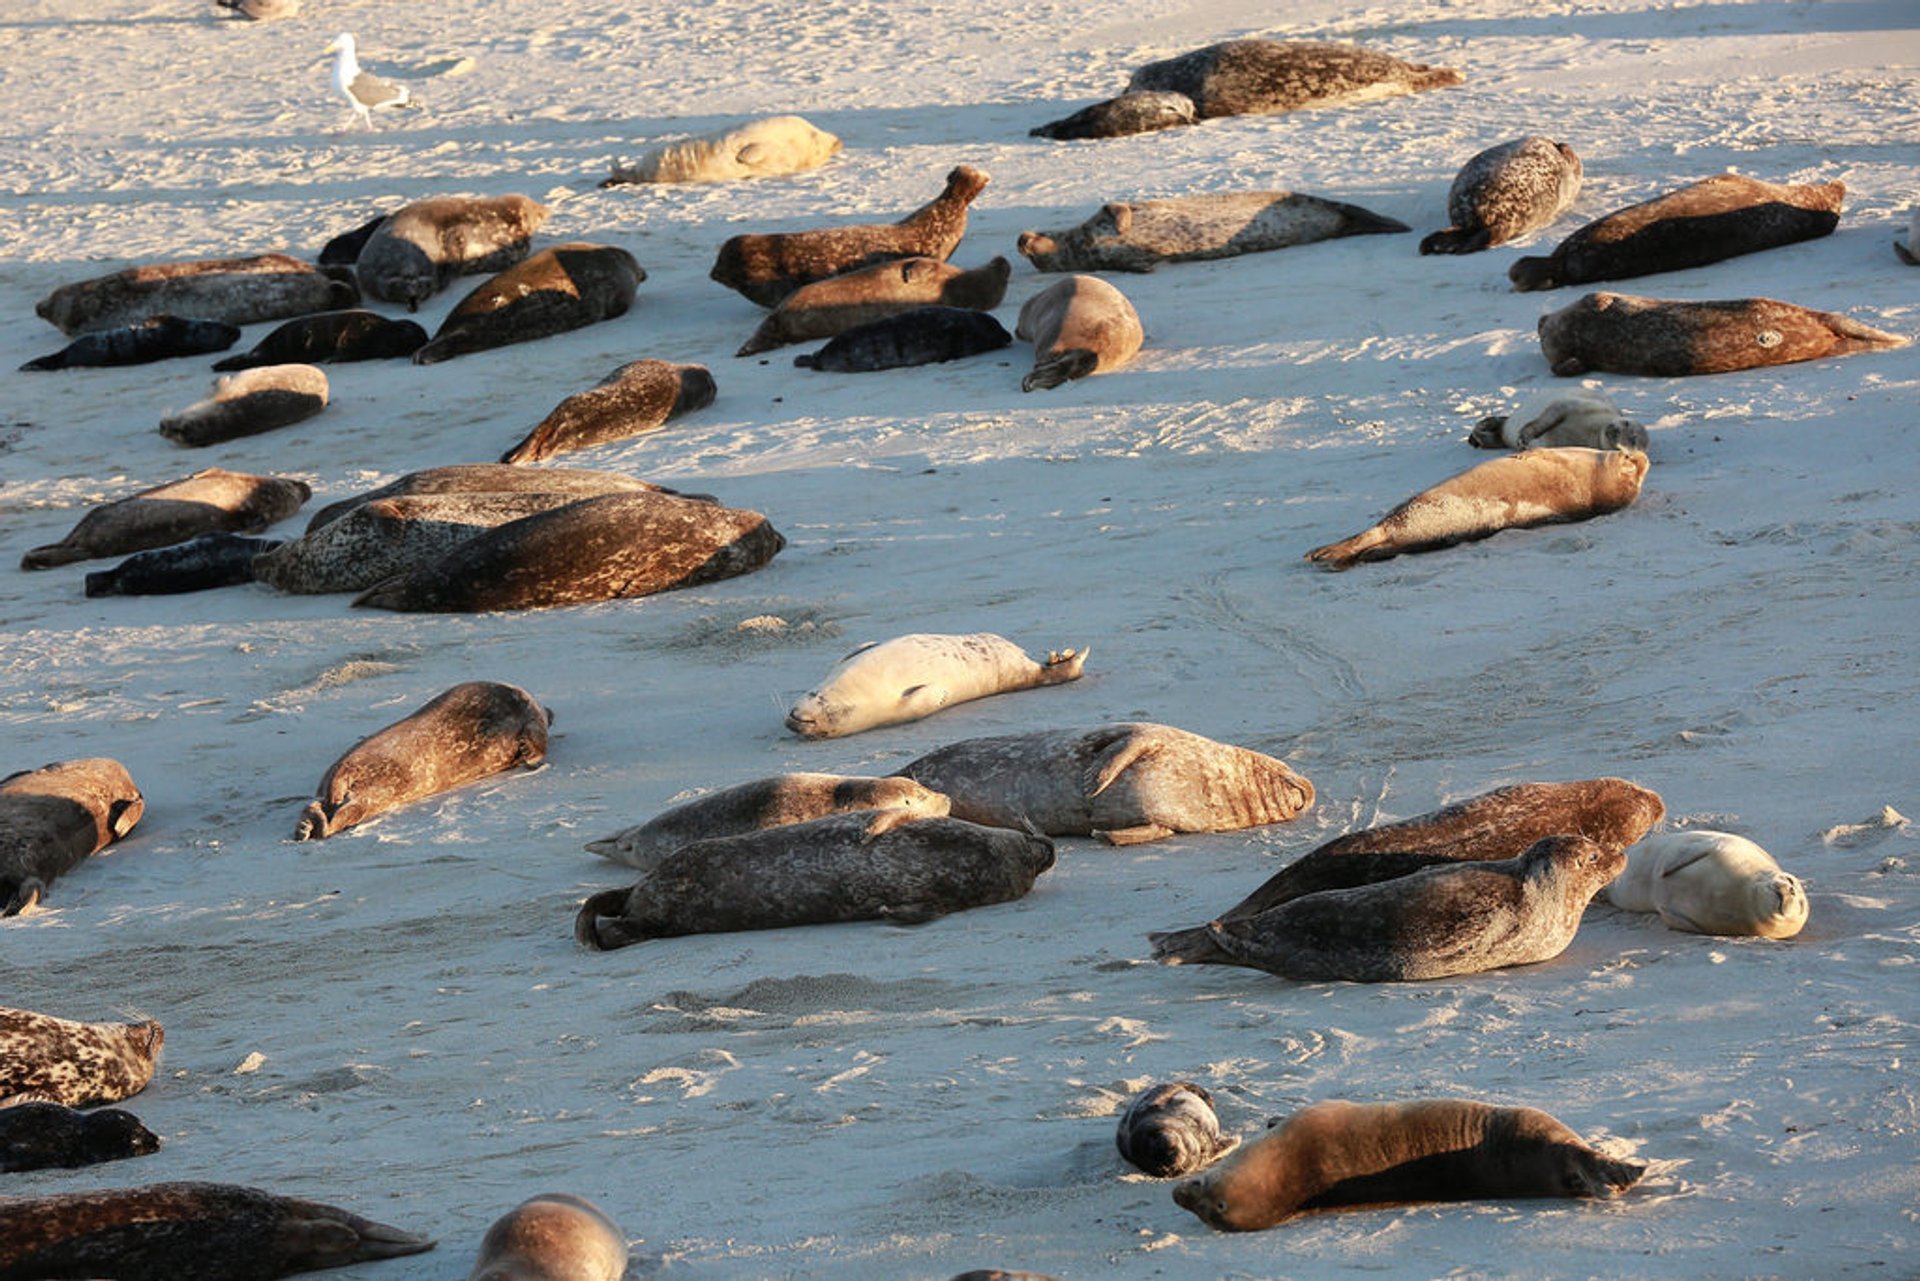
(208, 561)
(887, 865)
(209, 501)
(53, 1060)
(236, 291)
(1711, 883)
(908, 677)
(1625, 334)
(1507, 192)
(1336, 1153)
(1144, 111)
(248, 403)
(1078, 326)
(919, 336)
(469, 478)
(143, 342)
(766, 267)
(1140, 235)
(1125, 783)
(1256, 76)
(473, 730)
(40, 1136)
(1171, 1130)
(552, 1237)
(832, 306)
(639, 396)
(331, 337)
(761, 148)
(53, 817)
(1551, 419)
(558, 289)
(418, 250)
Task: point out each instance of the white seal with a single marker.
(1710, 883)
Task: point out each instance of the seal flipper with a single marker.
(1195, 946)
(884, 821)
(1906, 256)
(1456, 240)
(1115, 757)
(1139, 835)
(1488, 433)
(25, 893)
(314, 822)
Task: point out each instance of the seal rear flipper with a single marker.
(599, 924)
(1456, 240)
(1348, 552)
(22, 895)
(315, 823)
(58, 360)
(1139, 835)
(1488, 433)
(1591, 1174)
(1194, 946)
(1063, 367)
(1529, 274)
(1064, 665)
(50, 555)
(312, 1238)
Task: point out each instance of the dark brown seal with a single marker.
(1140, 235)
(237, 291)
(552, 1237)
(1259, 76)
(248, 403)
(143, 342)
(565, 287)
(639, 396)
(1078, 326)
(45, 1059)
(208, 561)
(921, 336)
(1507, 192)
(40, 1136)
(209, 501)
(469, 478)
(1146, 111)
(414, 254)
(1170, 1130)
(53, 817)
(331, 337)
(832, 306)
(1625, 334)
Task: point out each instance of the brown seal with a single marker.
(558, 289)
(1140, 235)
(474, 730)
(414, 253)
(830, 307)
(331, 337)
(468, 478)
(1146, 111)
(552, 1237)
(1078, 326)
(908, 677)
(52, 1060)
(1507, 192)
(209, 501)
(160, 337)
(236, 291)
(1170, 1130)
(1625, 334)
(639, 396)
(1336, 1153)
(40, 1136)
(1257, 76)
(248, 403)
(53, 817)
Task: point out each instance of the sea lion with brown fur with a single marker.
(331, 337)
(197, 565)
(1507, 192)
(248, 403)
(470, 478)
(908, 677)
(53, 1060)
(640, 396)
(41, 1136)
(1258, 76)
(211, 500)
(1625, 334)
(1139, 235)
(920, 336)
(552, 1237)
(558, 289)
(141, 343)
(1144, 111)
(235, 291)
(1171, 1130)
(53, 817)
(827, 308)
(420, 248)
(1078, 327)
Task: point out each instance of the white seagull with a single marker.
(364, 93)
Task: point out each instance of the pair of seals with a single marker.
(1711, 883)
(39, 1136)
(474, 478)
(556, 290)
(209, 501)
(1170, 1130)
(1257, 76)
(639, 396)
(908, 677)
(237, 291)
(920, 336)
(53, 817)
(331, 337)
(1551, 419)
(552, 1237)
(248, 403)
(827, 308)
(1078, 326)
(1507, 192)
(761, 148)
(1625, 334)
(210, 560)
(53, 1060)
(161, 337)
(417, 250)
(1140, 235)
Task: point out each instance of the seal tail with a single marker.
(1356, 221)
(314, 823)
(1063, 367)
(1457, 240)
(1194, 946)
(58, 360)
(1529, 274)
(50, 555)
(1855, 336)
(1489, 433)
(600, 925)
(1348, 552)
(1063, 666)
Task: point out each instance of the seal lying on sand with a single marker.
(418, 250)
(908, 677)
(1559, 419)
(1146, 111)
(40, 1136)
(1711, 883)
(832, 306)
(209, 501)
(1170, 1130)
(552, 1237)
(53, 817)
(51, 1060)
(1257, 76)
(1624, 334)
(237, 291)
(1078, 327)
(248, 403)
(761, 148)
(639, 396)
(1140, 235)
(211, 560)
(470, 478)
(160, 337)
(920, 336)
(1507, 192)
(558, 289)
(331, 337)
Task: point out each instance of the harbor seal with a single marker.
(211, 500)
(558, 289)
(248, 403)
(344, 249)
(420, 248)
(53, 817)
(765, 802)
(472, 731)
(1078, 326)
(763, 148)
(1514, 491)
(1126, 783)
(639, 396)
(1553, 419)
(1703, 222)
(1257, 77)
(469, 478)
(1171, 1130)
(44, 1059)
(1146, 111)
(160, 337)
(766, 267)
(889, 865)
(827, 308)
(1507, 192)
(1711, 883)
(208, 561)
(1140, 235)
(40, 1136)
(920, 336)
(331, 337)
(908, 677)
(1625, 334)
(552, 1237)
(236, 291)
(1336, 1153)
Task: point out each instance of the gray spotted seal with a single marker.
(468, 478)
(154, 338)
(1556, 419)
(331, 337)
(1145, 111)
(39, 1136)
(237, 291)
(53, 817)
(1171, 1130)
(552, 1237)
(1711, 883)
(639, 396)
(908, 677)
(421, 247)
(1257, 76)
(558, 289)
(1626, 334)
(832, 306)
(248, 403)
(209, 501)
(1078, 326)
(764, 148)
(1507, 192)
(919, 336)
(53, 1060)
(1140, 235)
(208, 561)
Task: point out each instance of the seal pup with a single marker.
(472, 731)
(248, 403)
(1170, 1130)
(1140, 235)
(560, 288)
(830, 307)
(236, 291)
(40, 1136)
(1551, 419)
(468, 478)
(208, 561)
(1126, 783)
(920, 336)
(53, 817)
(211, 500)
(331, 337)
(1078, 326)
(890, 865)
(52, 1060)
(1711, 883)
(908, 677)
(639, 396)
(416, 251)
(1336, 1153)
(1507, 192)
(1146, 111)
(765, 802)
(160, 337)
(166, 1231)
(1907, 251)
(766, 267)
(1514, 491)
(1626, 334)
(1703, 222)
(764, 148)
(1256, 76)
(552, 1237)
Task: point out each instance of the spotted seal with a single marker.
(1553, 419)
(1139, 235)
(832, 306)
(556, 290)
(40, 1136)
(248, 403)
(908, 677)
(160, 337)
(1171, 1130)
(919, 336)
(331, 337)
(236, 291)
(469, 478)
(45, 1059)
(1626, 334)
(420, 248)
(1711, 883)
(211, 500)
(208, 561)
(1146, 111)
(764, 148)
(1078, 326)
(552, 1237)
(1507, 192)
(1258, 76)
(53, 817)
(640, 396)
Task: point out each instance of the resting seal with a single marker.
(1711, 883)
(640, 396)
(565, 287)
(1140, 235)
(414, 253)
(762, 148)
(469, 478)
(1146, 111)
(53, 817)
(1256, 76)
(143, 342)
(832, 306)
(1625, 334)
(331, 337)
(237, 291)
(920, 336)
(1170, 1130)
(552, 1237)
(44, 1059)
(248, 403)
(1507, 192)
(211, 560)
(209, 501)
(39, 1136)
(908, 677)
(1078, 326)
(1559, 419)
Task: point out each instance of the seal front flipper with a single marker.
(1120, 750)
(1139, 835)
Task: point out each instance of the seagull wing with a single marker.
(372, 92)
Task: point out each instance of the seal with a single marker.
(765, 802)
(552, 1237)
(236, 291)
(1703, 222)
(53, 817)
(1711, 883)
(209, 501)
(165, 1231)
(908, 677)
(1171, 1130)
(1078, 326)
(344, 249)
(44, 1059)
(766, 267)
(418, 250)
(612, 547)
(827, 308)
(1514, 491)
(1258, 77)
(558, 289)
(1507, 192)
(472, 731)
(1336, 1153)
(1001, 1274)
(1147, 111)
(40, 1136)
(1626, 334)
(1580, 418)
(1126, 783)
(890, 865)
(331, 337)
(764, 148)
(470, 478)
(639, 396)
(1140, 235)
(248, 403)
(211, 560)
(155, 338)
(920, 336)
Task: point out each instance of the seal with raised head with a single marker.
(53, 817)
(1507, 192)
(40, 1136)
(141, 343)
(920, 336)
(1145, 111)
(552, 1237)
(472, 731)
(765, 267)
(416, 251)
(558, 289)
(211, 560)
(1126, 783)
(331, 337)
(209, 501)
(891, 865)
(1078, 326)
(1170, 1130)
(908, 677)
(1514, 491)
(237, 291)
(1711, 883)
(1139, 235)
(248, 403)
(830, 307)
(1626, 334)
(1258, 76)
(1336, 1153)
(45, 1059)
(1552, 419)
(472, 478)
(761, 148)
(639, 396)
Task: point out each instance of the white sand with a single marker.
(873, 1101)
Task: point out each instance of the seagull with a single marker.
(364, 92)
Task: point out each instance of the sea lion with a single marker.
(1078, 326)
(1170, 1130)
(612, 547)
(766, 267)
(166, 1231)
(40, 1136)
(236, 291)
(908, 677)
(560, 288)
(1552, 419)
(143, 342)
(1125, 783)
(1711, 883)
(763, 803)
(1906, 252)
(1146, 111)
(890, 865)
(1140, 235)
(1514, 491)
(639, 396)
(209, 501)
(469, 478)
(53, 817)
(208, 561)
(920, 336)
(761, 148)
(416, 251)
(1336, 1153)
(1255, 76)
(552, 1237)
(1625, 334)
(248, 403)
(827, 308)
(331, 337)
(1507, 192)
(472, 731)
(1703, 222)
(45, 1059)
